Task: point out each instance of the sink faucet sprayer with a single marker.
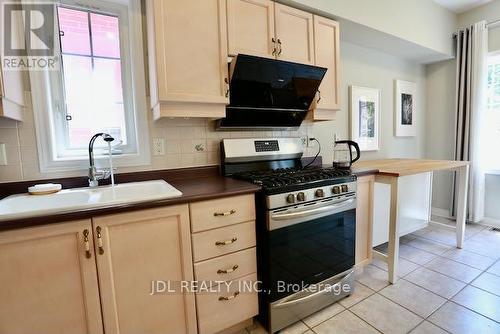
(94, 174)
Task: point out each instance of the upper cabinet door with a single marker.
(12, 82)
(133, 250)
(48, 281)
(188, 51)
(294, 33)
(250, 26)
(326, 51)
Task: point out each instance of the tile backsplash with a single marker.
(188, 142)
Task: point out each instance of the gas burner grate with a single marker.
(283, 177)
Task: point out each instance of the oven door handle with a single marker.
(292, 302)
(321, 209)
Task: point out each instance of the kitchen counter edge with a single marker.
(196, 184)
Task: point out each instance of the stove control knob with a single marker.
(319, 193)
(301, 197)
(336, 190)
(290, 198)
(344, 188)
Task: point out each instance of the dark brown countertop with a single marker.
(196, 184)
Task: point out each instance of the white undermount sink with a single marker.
(68, 200)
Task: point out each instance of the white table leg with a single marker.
(393, 251)
(463, 184)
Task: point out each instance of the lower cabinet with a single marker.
(50, 281)
(57, 278)
(48, 285)
(134, 249)
(224, 255)
(364, 220)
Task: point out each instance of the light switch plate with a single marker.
(3, 155)
(159, 146)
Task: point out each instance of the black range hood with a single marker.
(269, 94)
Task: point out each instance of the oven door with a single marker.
(310, 243)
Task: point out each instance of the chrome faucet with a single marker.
(94, 174)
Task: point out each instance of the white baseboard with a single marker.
(490, 222)
(441, 212)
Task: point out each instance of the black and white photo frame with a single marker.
(406, 112)
(365, 117)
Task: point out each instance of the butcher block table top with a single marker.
(403, 167)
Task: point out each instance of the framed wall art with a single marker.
(405, 108)
(364, 106)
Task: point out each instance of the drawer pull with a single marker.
(227, 271)
(224, 214)
(227, 242)
(234, 295)
(99, 240)
(88, 254)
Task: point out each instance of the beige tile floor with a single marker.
(441, 289)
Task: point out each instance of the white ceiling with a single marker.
(460, 6)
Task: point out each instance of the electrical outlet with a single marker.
(3, 155)
(159, 146)
(305, 141)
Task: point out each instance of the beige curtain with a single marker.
(472, 53)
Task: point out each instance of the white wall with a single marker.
(441, 85)
(440, 126)
(422, 22)
(488, 12)
(370, 68)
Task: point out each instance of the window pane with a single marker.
(105, 111)
(74, 24)
(492, 131)
(108, 95)
(105, 35)
(78, 87)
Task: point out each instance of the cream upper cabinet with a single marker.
(12, 94)
(49, 284)
(187, 51)
(12, 82)
(134, 249)
(294, 34)
(250, 27)
(327, 54)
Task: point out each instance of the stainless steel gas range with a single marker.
(306, 219)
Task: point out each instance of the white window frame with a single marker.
(46, 90)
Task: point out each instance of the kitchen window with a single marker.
(492, 129)
(99, 87)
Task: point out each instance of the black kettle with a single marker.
(342, 153)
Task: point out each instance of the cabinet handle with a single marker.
(234, 295)
(274, 46)
(88, 254)
(99, 240)
(319, 96)
(226, 81)
(227, 271)
(280, 48)
(223, 214)
(226, 242)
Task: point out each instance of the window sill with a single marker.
(82, 164)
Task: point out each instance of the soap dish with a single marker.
(44, 189)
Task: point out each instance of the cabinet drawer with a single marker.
(227, 267)
(223, 240)
(216, 313)
(221, 212)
